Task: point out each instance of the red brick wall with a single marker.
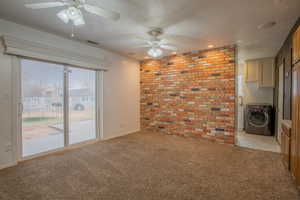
(190, 94)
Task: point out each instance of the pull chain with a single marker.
(73, 32)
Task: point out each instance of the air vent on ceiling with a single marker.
(92, 42)
(267, 25)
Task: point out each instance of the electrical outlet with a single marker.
(8, 148)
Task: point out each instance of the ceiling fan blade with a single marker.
(168, 47)
(102, 12)
(142, 38)
(143, 46)
(45, 5)
(150, 43)
(163, 41)
(63, 16)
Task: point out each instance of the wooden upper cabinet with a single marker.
(266, 72)
(251, 71)
(260, 71)
(296, 45)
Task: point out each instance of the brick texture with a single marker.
(190, 94)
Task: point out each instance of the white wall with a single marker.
(121, 98)
(121, 87)
(253, 94)
(6, 136)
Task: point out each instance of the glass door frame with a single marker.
(66, 107)
(67, 112)
(18, 109)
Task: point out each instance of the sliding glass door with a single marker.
(82, 105)
(43, 108)
(59, 106)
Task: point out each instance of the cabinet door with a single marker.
(296, 45)
(297, 123)
(266, 72)
(295, 137)
(251, 71)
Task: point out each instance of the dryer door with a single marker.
(258, 118)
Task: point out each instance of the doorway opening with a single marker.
(254, 114)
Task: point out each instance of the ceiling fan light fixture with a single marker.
(79, 21)
(63, 16)
(74, 13)
(155, 52)
(71, 14)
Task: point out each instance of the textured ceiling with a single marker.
(189, 24)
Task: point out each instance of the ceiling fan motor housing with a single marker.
(156, 32)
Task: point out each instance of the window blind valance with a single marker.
(35, 50)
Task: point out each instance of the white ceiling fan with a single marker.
(73, 11)
(156, 44)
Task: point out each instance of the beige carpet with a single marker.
(151, 166)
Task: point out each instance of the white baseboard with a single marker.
(8, 165)
(120, 134)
